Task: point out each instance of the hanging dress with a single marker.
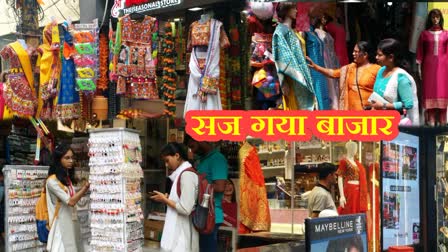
(68, 99)
(50, 70)
(137, 58)
(19, 92)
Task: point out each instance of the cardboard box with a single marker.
(153, 230)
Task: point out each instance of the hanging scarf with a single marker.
(290, 62)
(201, 80)
(391, 95)
(169, 228)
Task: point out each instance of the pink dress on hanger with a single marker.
(340, 45)
(432, 54)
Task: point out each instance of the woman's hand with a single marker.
(311, 64)
(377, 105)
(86, 187)
(160, 197)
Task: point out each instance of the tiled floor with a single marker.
(151, 246)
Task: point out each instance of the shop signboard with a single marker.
(144, 7)
(339, 233)
(400, 191)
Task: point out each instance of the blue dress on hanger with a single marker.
(315, 50)
(68, 99)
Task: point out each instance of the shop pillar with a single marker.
(92, 9)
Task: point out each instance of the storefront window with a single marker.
(400, 191)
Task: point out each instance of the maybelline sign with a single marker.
(149, 6)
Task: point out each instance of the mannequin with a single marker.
(253, 204)
(337, 31)
(352, 183)
(432, 59)
(315, 50)
(205, 40)
(330, 59)
(293, 72)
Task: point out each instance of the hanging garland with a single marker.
(103, 80)
(169, 71)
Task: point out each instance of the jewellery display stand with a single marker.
(115, 199)
(23, 185)
(81, 150)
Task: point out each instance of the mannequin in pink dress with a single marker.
(432, 58)
(337, 31)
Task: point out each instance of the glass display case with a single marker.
(400, 191)
(285, 184)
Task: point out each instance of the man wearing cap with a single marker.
(320, 197)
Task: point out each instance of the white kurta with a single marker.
(179, 235)
(65, 233)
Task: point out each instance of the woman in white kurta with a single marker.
(178, 234)
(64, 233)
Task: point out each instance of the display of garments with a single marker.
(401, 90)
(432, 55)
(137, 58)
(348, 90)
(68, 99)
(253, 206)
(356, 195)
(203, 90)
(50, 70)
(19, 92)
(260, 47)
(315, 50)
(200, 35)
(337, 31)
(5, 112)
(292, 69)
(330, 61)
(64, 234)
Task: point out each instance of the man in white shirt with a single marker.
(320, 197)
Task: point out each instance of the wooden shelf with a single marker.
(310, 147)
(271, 152)
(313, 163)
(273, 167)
